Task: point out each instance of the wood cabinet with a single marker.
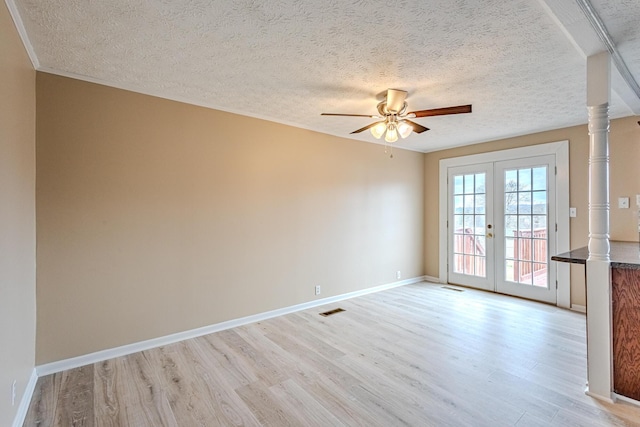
(625, 304)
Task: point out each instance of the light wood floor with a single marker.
(419, 355)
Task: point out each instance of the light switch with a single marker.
(623, 202)
(573, 212)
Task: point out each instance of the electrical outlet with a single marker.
(13, 393)
(317, 289)
(398, 275)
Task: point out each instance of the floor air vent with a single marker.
(452, 289)
(330, 312)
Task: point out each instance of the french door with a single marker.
(501, 227)
(471, 243)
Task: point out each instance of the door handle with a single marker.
(489, 235)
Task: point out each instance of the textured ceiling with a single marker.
(521, 63)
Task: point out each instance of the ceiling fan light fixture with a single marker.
(378, 130)
(404, 129)
(391, 135)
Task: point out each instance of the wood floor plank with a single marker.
(262, 369)
(107, 379)
(295, 399)
(147, 402)
(75, 400)
(43, 403)
(127, 392)
(413, 355)
(266, 408)
(230, 409)
(187, 399)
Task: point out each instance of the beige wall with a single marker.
(624, 181)
(17, 217)
(156, 217)
(624, 153)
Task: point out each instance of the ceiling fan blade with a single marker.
(366, 127)
(349, 115)
(395, 99)
(416, 127)
(443, 111)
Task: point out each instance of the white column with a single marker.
(599, 336)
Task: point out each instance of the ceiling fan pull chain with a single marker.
(388, 149)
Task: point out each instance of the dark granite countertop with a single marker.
(623, 255)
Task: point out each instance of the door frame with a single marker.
(561, 151)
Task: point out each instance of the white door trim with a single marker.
(561, 150)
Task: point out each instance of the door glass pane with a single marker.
(524, 179)
(540, 275)
(510, 225)
(480, 245)
(540, 250)
(511, 180)
(509, 270)
(524, 273)
(458, 263)
(525, 226)
(480, 266)
(524, 249)
(539, 222)
(524, 202)
(468, 265)
(510, 203)
(458, 186)
(469, 204)
(539, 202)
(539, 178)
(469, 186)
(458, 244)
(469, 245)
(480, 184)
(480, 204)
(469, 222)
(457, 222)
(509, 248)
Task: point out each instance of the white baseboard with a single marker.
(626, 399)
(21, 414)
(608, 399)
(432, 279)
(579, 308)
(99, 356)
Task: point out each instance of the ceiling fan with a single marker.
(394, 117)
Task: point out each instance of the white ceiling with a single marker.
(521, 63)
